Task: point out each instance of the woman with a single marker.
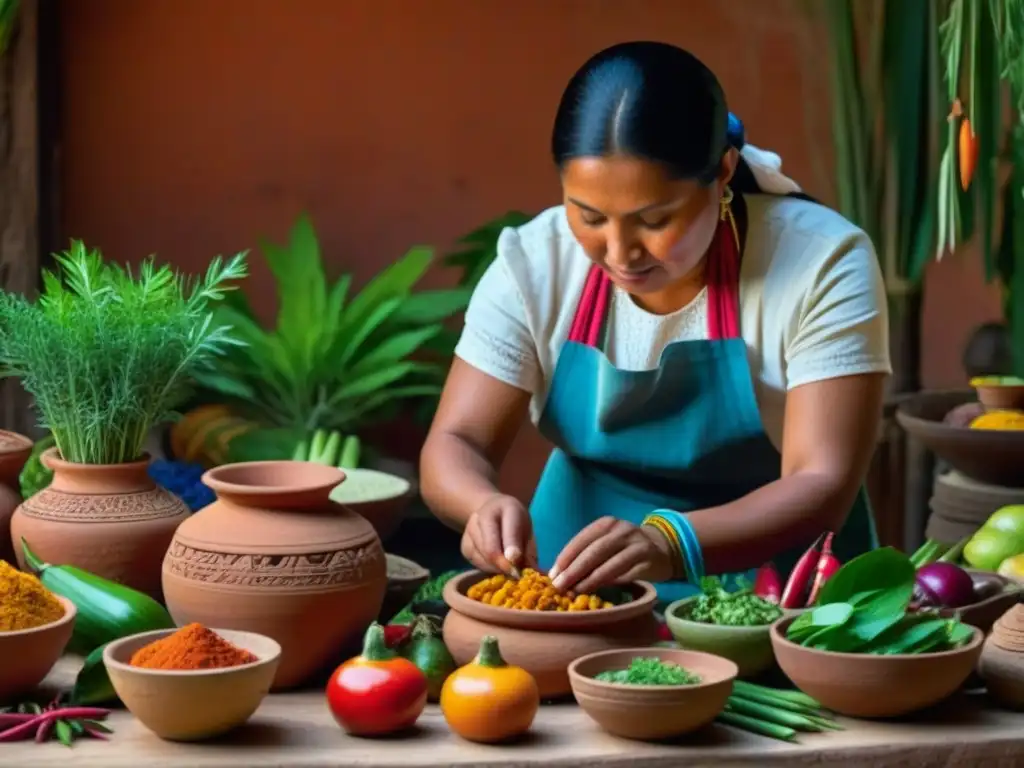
(697, 340)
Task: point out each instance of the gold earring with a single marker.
(723, 204)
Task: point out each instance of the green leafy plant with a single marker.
(8, 17)
(480, 247)
(865, 608)
(107, 354)
(333, 361)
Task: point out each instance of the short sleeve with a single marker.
(496, 338)
(843, 322)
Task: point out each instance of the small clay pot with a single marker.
(1008, 397)
(275, 556)
(872, 685)
(109, 519)
(1003, 673)
(652, 712)
(14, 452)
(545, 642)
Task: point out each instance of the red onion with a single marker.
(943, 585)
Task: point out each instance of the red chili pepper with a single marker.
(377, 692)
(664, 633)
(800, 579)
(768, 583)
(396, 634)
(828, 564)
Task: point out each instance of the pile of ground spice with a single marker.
(24, 602)
(191, 647)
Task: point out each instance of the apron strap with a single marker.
(722, 282)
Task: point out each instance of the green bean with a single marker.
(772, 701)
(772, 715)
(797, 697)
(753, 725)
(824, 722)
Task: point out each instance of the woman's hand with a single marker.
(499, 536)
(612, 551)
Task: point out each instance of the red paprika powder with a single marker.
(191, 647)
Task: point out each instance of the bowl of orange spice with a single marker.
(540, 628)
(192, 683)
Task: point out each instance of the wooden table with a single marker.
(295, 731)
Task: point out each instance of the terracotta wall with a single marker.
(193, 126)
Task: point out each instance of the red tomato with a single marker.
(377, 692)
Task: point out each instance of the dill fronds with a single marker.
(107, 354)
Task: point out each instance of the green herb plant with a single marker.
(742, 608)
(864, 608)
(107, 354)
(334, 360)
(649, 671)
(8, 17)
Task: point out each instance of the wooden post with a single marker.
(19, 186)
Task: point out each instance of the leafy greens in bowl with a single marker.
(865, 608)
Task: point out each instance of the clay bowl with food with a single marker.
(1000, 392)
(545, 642)
(652, 712)
(875, 686)
(986, 455)
(191, 705)
(749, 647)
(995, 596)
(28, 655)
(380, 497)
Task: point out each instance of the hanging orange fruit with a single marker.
(968, 153)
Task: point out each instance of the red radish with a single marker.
(768, 583)
(828, 564)
(800, 578)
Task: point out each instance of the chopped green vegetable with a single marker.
(648, 671)
(864, 608)
(743, 608)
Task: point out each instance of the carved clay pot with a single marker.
(1002, 660)
(109, 519)
(274, 555)
(14, 452)
(544, 643)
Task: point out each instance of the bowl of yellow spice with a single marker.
(540, 628)
(35, 627)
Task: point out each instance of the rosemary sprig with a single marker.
(107, 354)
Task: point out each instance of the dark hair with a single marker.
(650, 100)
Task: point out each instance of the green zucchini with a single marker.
(106, 610)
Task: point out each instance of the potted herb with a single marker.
(107, 355)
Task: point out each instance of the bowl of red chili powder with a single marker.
(192, 683)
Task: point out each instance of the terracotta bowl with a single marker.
(28, 655)
(996, 394)
(749, 647)
(545, 642)
(380, 497)
(652, 712)
(1003, 594)
(988, 456)
(874, 686)
(192, 705)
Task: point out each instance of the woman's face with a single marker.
(647, 230)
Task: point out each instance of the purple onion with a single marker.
(943, 585)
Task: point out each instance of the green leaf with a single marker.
(431, 306)
(885, 570)
(64, 733)
(395, 281)
(397, 347)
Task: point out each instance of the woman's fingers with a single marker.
(597, 553)
(485, 530)
(473, 556)
(613, 569)
(579, 543)
(515, 532)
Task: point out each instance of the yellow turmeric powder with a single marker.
(24, 602)
(533, 592)
(1000, 420)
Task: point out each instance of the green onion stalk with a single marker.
(775, 713)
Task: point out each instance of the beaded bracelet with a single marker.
(680, 569)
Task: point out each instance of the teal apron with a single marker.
(684, 436)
